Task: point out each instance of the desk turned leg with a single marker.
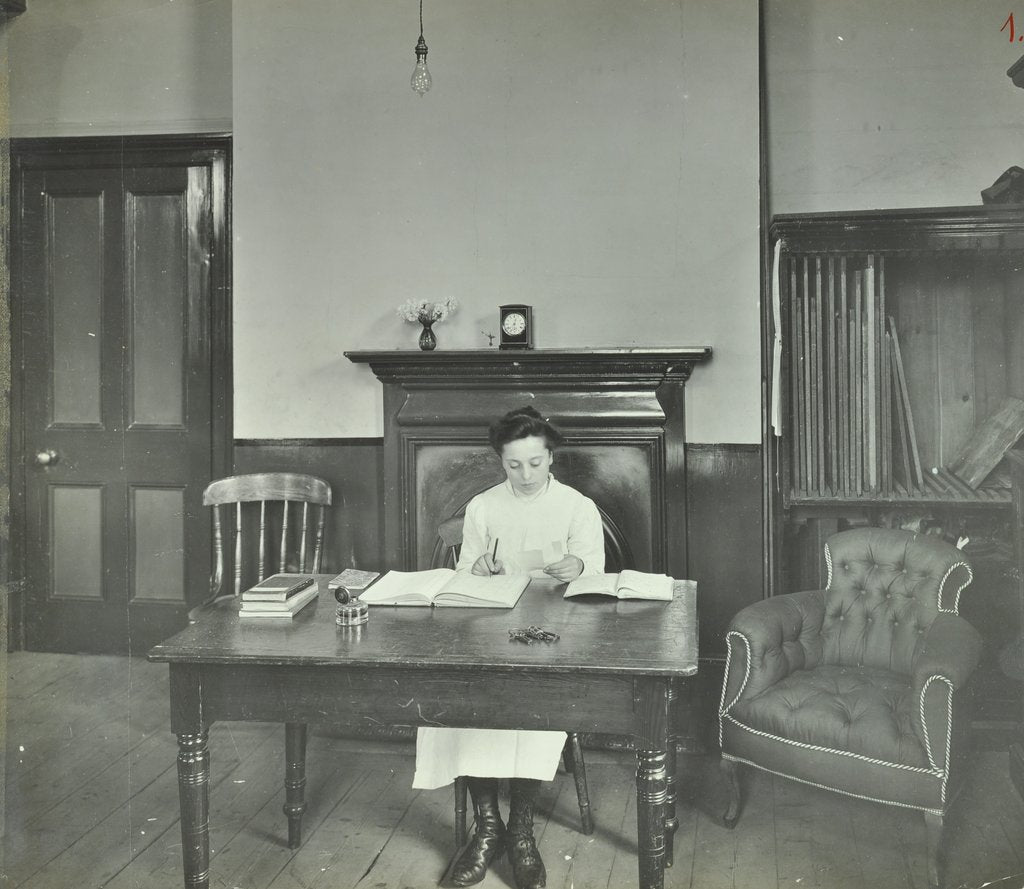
(194, 800)
(671, 822)
(294, 780)
(651, 793)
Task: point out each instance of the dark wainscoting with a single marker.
(723, 483)
(724, 514)
(724, 505)
(353, 468)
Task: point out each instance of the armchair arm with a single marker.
(770, 639)
(951, 649)
(944, 661)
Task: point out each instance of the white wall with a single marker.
(111, 67)
(889, 104)
(594, 158)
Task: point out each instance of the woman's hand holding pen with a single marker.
(565, 569)
(487, 565)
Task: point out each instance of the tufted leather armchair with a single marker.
(857, 688)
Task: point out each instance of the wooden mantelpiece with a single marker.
(609, 368)
(622, 411)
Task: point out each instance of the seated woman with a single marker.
(530, 511)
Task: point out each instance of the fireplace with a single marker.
(621, 411)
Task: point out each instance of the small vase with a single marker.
(428, 341)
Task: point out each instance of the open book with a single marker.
(443, 586)
(626, 584)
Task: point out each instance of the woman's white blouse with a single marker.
(535, 531)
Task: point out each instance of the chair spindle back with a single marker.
(281, 496)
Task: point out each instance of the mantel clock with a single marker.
(515, 327)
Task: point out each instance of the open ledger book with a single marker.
(443, 586)
(626, 584)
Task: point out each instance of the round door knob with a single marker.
(47, 457)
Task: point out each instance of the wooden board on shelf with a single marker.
(843, 337)
(870, 377)
(856, 387)
(904, 395)
(900, 418)
(818, 380)
(990, 441)
(833, 373)
(885, 382)
(938, 491)
(796, 374)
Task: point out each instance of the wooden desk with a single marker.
(615, 670)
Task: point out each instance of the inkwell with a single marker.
(351, 612)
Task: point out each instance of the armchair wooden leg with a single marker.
(731, 773)
(460, 811)
(933, 828)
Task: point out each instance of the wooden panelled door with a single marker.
(119, 274)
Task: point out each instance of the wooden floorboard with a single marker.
(91, 801)
(744, 857)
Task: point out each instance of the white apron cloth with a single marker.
(443, 754)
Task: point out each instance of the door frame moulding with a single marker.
(91, 152)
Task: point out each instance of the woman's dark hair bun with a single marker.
(527, 410)
(523, 422)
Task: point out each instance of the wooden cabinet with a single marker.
(900, 332)
(1012, 656)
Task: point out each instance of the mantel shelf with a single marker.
(610, 365)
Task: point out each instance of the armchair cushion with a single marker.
(861, 710)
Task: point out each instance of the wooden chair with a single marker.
(277, 519)
(450, 534)
(283, 533)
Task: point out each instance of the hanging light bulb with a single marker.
(421, 80)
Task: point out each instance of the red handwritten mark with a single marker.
(1009, 24)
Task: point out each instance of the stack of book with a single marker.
(279, 596)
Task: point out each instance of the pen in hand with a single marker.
(494, 558)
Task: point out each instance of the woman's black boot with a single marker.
(486, 844)
(522, 849)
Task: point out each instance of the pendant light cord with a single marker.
(421, 18)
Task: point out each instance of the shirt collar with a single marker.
(529, 498)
